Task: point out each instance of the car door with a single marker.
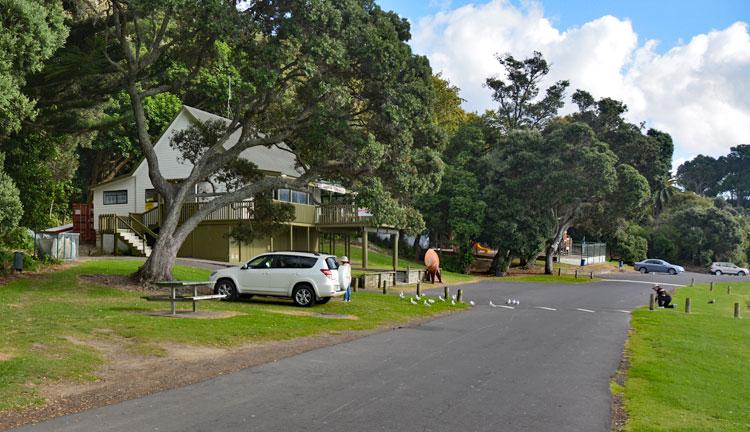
(253, 278)
(661, 266)
(282, 274)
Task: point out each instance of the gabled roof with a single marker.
(276, 159)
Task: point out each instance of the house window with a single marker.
(115, 197)
(293, 196)
(151, 196)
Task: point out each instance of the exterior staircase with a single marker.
(134, 241)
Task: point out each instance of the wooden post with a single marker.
(559, 270)
(651, 301)
(692, 281)
(591, 275)
(729, 289)
(687, 305)
(395, 251)
(385, 287)
(446, 292)
(712, 286)
(308, 239)
(291, 237)
(737, 310)
(380, 279)
(576, 273)
(355, 284)
(394, 278)
(364, 249)
(459, 295)
(419, 288)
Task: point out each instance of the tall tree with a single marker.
(30, 32)
(334, 81)
(737, 179)
(517, 94)
(702, 175)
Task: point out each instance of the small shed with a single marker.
(57, 242)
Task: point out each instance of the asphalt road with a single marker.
(543, 366)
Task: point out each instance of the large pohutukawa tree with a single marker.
(333, 80)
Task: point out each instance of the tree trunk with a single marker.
(531, 260)
(158, 266)
(500, 263)
(553, 246)
(418, 252)
(524, 262)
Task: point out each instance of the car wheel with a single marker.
(717, 272)
(303, 296)
(323, 300)
(643, 270)
(672, 271)
(226, 287)
(741, 274)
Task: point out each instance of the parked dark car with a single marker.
(657, 266)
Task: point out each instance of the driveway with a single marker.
(544, 365)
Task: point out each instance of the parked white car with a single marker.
(306, 278)
(719, 268)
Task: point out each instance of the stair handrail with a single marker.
(144, 229)
(125, 222)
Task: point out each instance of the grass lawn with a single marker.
(43, 315)
(691, 372)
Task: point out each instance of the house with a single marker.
(127, 213)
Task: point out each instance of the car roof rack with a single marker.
(296, 251)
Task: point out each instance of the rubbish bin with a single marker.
(583, 262)
(18, 261)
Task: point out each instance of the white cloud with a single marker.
(698, 92)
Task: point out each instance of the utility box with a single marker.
(18, 261)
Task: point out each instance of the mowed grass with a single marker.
(691, 372)
(45, 317)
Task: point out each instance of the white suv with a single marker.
(719, 268)
(307, 278)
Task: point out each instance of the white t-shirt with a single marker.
(345, 275)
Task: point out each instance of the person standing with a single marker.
(345, 278)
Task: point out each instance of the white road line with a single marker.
(623, 311)
(506, 307)
(643, 282)
(585, 310)
(546, 308)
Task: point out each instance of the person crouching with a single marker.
(663, 297)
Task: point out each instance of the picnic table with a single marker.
(173, 296)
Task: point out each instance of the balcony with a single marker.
(342, 215)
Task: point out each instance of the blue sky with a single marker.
(669, 21)
(682, 67)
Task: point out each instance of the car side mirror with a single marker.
(244, 267)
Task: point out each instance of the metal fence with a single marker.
(584, 253)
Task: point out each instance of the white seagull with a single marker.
(453, 302)
(492, 304)
(471, 302)
(441, 298)
(416, 296)
(412, 301)
(401, 295)
(431, 301)
(426, 303)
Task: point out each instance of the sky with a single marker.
(682, 67)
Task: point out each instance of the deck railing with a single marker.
(340, 214)
(242, 210)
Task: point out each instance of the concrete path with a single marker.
(544, 365)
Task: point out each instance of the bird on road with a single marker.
(471, 302)
(492, 304)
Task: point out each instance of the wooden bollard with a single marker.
(711, 288)
(559, 270)
(591, 275)
(380, 279)
(651, 301)
(737, 310)
(446, 292)
(394, 278)
(459, 295)
(355, 284)
(692, 281)
(729, 289)
(687, 305)
(576, 274)
(419, 288)
(385, 287)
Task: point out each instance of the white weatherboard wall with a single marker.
(128, 184)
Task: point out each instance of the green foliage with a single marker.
(702, 175)
(11, 208)
(30, 32)
(517, 93)
(43, 167)
(629, 242)
(699, 235)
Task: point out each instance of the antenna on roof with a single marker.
(229, 99)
